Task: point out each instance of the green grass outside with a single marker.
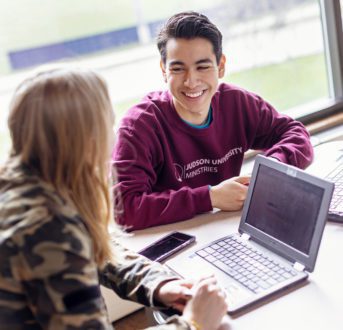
(26, 21)
(289, 84)
(32, 23)
(284, 85)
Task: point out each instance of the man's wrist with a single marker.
(212, 196)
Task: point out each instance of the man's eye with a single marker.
(203, 67)
(176, 70)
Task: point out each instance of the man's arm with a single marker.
(137, 161)
(282, 137)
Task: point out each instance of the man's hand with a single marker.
(230, 194)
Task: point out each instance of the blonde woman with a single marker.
(55, 208)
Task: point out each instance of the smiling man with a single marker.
(179, 152)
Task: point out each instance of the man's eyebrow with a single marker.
(176, 63)
(202, 61)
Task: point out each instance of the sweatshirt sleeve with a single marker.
(280, 136)
(137, 158)
(134, 277)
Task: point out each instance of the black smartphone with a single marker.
(167, 246)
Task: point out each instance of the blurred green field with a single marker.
(31, 23)
(289, 84)
(284, 85)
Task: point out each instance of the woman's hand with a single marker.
(208, 305)
(202, 301)
(174, 293)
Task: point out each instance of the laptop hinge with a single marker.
(299, 267)
(245, 236)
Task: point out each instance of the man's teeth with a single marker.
(194, 94)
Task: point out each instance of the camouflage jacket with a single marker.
(48, 276)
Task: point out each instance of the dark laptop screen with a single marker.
(284, 207)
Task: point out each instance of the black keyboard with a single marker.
(336, 205)
(245, 264)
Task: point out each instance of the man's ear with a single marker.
(163, 69)
(221, 66)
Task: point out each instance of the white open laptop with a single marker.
(282, 223)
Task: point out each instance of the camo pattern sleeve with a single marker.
(48, 276)
(134, 277)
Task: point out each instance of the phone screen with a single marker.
(167, 246)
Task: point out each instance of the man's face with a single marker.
(192, 74)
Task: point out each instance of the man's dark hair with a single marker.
(189, 25)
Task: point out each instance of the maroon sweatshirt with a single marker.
(165, 166)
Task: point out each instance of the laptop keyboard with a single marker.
(245, 264)
(336, 176)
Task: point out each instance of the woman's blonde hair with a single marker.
(61, 124)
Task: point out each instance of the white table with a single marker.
(317, 305)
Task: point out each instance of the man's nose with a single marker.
(191, 79)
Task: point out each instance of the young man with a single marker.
(179, 152)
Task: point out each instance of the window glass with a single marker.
(273, 48)
(279, 53)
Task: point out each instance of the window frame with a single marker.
(331, 19)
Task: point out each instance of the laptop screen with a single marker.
(284, 207)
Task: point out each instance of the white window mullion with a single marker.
(333, 45)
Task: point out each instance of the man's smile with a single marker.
(194, 94)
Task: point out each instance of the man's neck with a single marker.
(197, 118)
(205, 124)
